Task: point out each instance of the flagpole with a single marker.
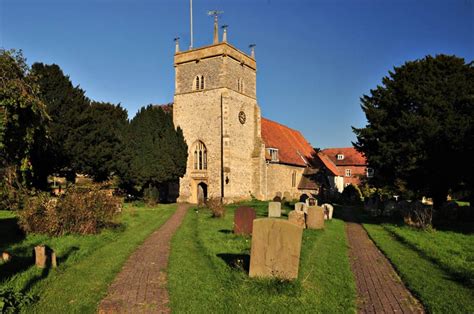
(191, 24)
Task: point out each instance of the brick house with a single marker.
(351, 165)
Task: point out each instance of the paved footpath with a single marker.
(379, 288)
(140, 287)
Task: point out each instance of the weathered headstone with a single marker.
(315, 217)
(6, 256)
(311, 201)
(274, 209)
(297, 217)
(45, 257)
(287, 195)
(276, 246)
(243, 220)
(300, 206)
(328, 211)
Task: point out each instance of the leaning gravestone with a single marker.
(297, 217)
(315, 217)
(274, 209)
(328, 211)
(44, 257)
(243, 220)
(276, 246)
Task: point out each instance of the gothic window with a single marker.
(200, 156)
(196, 83)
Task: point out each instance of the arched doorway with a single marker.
(202, 192)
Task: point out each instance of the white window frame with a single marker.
(370, 172)
(348, 172)
(273, 152)
(340, 157)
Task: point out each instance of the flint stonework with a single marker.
(276, 246)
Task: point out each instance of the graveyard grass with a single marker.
(87, 264)
(205, 274)
(437, 266)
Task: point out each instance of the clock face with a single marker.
(242, 117)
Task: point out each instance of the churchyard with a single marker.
(210, 264)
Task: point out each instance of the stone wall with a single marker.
(279, 180)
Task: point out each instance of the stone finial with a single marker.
(216, 31)
(252, 50)
(224, 33)
(176, 41)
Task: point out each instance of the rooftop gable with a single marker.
(351, 156)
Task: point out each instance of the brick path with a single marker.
(379, 288)
(140, 287)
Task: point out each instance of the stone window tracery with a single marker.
(199, 82)
(200, 156)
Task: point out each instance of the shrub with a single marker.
(151, 195)
(13, 301)
(418, 215)
(352, 194)
(216, 207)
(78, 211)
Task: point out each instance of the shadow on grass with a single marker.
(10, 233)
(236, 261)
(226, 231)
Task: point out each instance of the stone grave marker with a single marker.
(311, 201)
(300, 206)
(315, 217)
(274, 209)
(328, 211)
(243, 220)
(297, 217)
(276, 246)
(44, 257)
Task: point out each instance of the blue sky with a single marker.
(315, 58)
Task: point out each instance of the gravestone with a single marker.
(297, 217)
(243, 220)
(274, 209)
(315, 217)
(287, 196)
(276, 247)
(44, 257)
(6, 256)
(311, 201)
(328, 211)
(300, 206)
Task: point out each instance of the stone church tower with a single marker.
(215, 104)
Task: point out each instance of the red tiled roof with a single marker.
(329, 164)
(351, 156)
(290, 143)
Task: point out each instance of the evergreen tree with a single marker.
(156, 151)
(419, 135)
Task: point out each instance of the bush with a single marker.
(352, 195)
(216, 207)
(151, 195)
(418, 215)
(78, 211)
(13, 301)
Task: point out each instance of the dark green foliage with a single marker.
(151, 195)
(12, 301)
(102, 141)
(66, 105)
(352, 194)
(23, 123)
(156, 152)
(419, 135)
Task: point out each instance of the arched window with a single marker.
(202, 82)
(197, 82)
(200, 156)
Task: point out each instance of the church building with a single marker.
(233, 152)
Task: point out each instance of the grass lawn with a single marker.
(436, 266)
(87, 264)
(204, 273)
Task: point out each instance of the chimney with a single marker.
(224, 34)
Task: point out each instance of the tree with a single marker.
(66, 105)
(419, 135)
(156, 151)
(102, 141)
(23, 120)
